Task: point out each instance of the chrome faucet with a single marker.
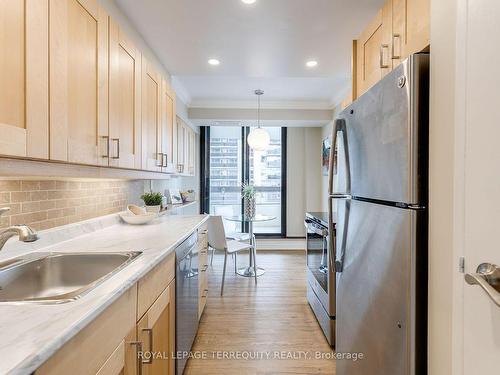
(25, 233)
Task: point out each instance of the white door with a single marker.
(478, 152)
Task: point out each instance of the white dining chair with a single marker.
(217, 241)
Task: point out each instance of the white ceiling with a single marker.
(264, 45)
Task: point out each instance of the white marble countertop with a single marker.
(32, 333)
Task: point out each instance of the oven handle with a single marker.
(314, 229)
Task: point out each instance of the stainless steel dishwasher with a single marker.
(186, 299)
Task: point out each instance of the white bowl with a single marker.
(135, 210)
(137, 219)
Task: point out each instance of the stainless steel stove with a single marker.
(320, 272)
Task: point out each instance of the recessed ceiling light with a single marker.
(213, 62)
(248, 1)
(311, 63)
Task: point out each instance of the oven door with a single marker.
(317, 253)
(320, 278)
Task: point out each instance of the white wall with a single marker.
(303, 177)
(441, 180)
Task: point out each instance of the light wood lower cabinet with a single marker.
(156, 330)
(124, 360)
(78, 74)
(89, 350)
(24, 72)
(135, 335)
(203, 267)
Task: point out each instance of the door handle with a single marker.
(138, 352)
(487, 276)
(164, 159)
(398, 37)
(117, 140)
(106, 139)
(339, 126)
(149, 360)
(382, 64)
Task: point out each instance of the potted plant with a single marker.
(248, 193)
(152, 201)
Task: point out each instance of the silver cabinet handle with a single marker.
(165, 160)
(150, 334)
(106, 138)
(117, 140)
(138, 352)
(487, 276)
(398, 37)
(382, 64)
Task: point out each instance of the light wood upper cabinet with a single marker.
(181, 141)
(191, 152)
(156, 330)
(168, 131)
(78, 33)
(123, 142)
(24, 108)
(151, 140)
(400, 28)
(373, 50)
(186, 148)
(410, 27)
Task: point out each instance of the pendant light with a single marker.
(258, 139)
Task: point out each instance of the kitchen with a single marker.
(108, 103)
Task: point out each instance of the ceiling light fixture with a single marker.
(248, 1)
(311, 63)
(213, 62)
(258, 139)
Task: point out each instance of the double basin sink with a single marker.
(58, 277)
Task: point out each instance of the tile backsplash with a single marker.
(45, 204)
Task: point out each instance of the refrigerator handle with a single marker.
(337, 263)
(339, 126)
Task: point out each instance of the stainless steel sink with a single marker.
(57, 277)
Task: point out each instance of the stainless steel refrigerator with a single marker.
(378, 189)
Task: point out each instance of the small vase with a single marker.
(155, 209)
(249, 207)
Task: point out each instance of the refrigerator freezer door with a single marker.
(386, 131)
(377, 290)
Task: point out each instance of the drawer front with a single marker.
(154, 283)
(89, 350)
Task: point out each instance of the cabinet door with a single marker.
(167, 128)
(192, 151)
(151, 93)
(124, 147)
(156, 330)
(411, 27)
(181, 146)
(78, 53)
(24, 107)
(373, 50)
(124, 360)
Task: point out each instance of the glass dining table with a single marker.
(249, 270)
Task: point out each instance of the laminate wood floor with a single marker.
(271, 319)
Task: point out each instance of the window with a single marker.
(228, 162)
